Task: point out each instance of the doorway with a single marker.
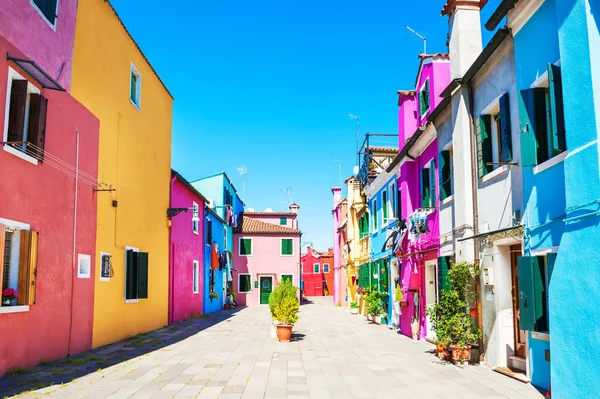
(430, 292)
(266, 287)
(519, 335)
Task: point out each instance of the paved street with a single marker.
(232, 355)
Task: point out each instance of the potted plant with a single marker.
(8, 296)
(213, 295)
(353, 307)
(282, 291)
(384, 318)
(325, 292)
(374, 307)
(462, 334)
(287, 315)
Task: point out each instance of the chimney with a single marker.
(294, 208)
(337, 196)
(464, 27)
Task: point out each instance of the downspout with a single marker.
(171, 262)
(74, 266)
(474, 185)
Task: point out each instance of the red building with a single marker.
(317, 272)
(48, 181)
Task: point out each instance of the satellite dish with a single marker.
(355, 170)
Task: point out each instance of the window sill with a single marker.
(196, 292)
(132, 300)
(495, 173)
(550, 163)
(20, 154)
(540, 336)
(245, 292)
(14, 309)
(448, 200)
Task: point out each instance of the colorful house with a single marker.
(49, 145)
(356, 208)
(317, 272)
(223, 214)
(186, 250)
(340, 210)
(266, 251)
(114, 80)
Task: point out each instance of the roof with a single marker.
(451, 5)
(270, 213)
(409, 93)
(139, 48)
(433, 57)
(255, 226)
(376, 148)
(503, 8)
(188, 185)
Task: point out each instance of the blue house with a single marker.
(559, 93)
(222, 215)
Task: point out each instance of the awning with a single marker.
(37, 73)
(491, 233)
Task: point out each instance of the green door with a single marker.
(266, 286)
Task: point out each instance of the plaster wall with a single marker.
(447, 223)
(214, 304)
(464, 28)
(407, 119)
(313, 282)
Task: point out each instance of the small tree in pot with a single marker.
(282, 309)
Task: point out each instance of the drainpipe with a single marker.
(474, 184)
(172, 262)
(74, 265)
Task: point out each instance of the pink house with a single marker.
(419, 192)
(266, 251)
(186, 250)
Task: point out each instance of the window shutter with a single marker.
(286, 278)
(425, 194)
(550, 259)
(484, 144)
(208, 231)
(427, 96)
(16, 114)
(443, 268)
(526, 292)
(532, 118)
(505, 129)
(283, 221)
(445, 172)
(2, 243)
(131, 275)
(432, 184)
(142, 272)
(27, 267)
(422, 106)
(384, 205)
(557, 140)
(36, 132)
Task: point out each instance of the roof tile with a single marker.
(255, 226)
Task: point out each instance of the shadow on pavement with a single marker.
(66, 370)
(297, 337)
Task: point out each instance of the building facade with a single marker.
(133, 107)
(266, 251)
(317, 272)
(48, 173)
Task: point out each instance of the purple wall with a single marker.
(184, 247)
(407, 118)
(438, 71)
(52, 49)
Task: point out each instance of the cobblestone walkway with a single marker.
(232, 355)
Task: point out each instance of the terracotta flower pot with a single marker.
(441, 350)
(461, 354)
(284, 332)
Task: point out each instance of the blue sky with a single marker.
(269, 84)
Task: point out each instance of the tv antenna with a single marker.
(288, 192)
(243, 170)
(420, 36)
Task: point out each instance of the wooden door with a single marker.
(266, 286)
(519, 335)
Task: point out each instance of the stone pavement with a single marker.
(232, 355)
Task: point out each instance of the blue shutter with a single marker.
(526, 292)
(505, 129)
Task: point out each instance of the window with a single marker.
(287, 247)
(316, 268)
(106, 270)
(135, 86)
(326, 268)
(444, 264)
(244, 284)
(225, 237)
(245, 247)
(374, 215)
(195, 276)
(195, 218)
(208, 231)
(84, 263)
(25, 124)
(542, 121)
(136, 274)
(445, 172)
(535, 273)
(363, 225)
(384, 206)
(424, 97)
(287, 277)
(428, 196)
(283, 221)
(392, 202)
(18, 260)
(48, 9)
(494, 137)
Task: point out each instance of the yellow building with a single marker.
(114, 80)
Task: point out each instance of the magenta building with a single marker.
(186, 250)
(419, 192)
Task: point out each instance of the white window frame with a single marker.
(195, 276)
(14, 225)
(100, 278)
(328, 267)
(240, 246)
(374, 222)
(239, 285)
(31, 89)
(195, 218)
(384, 220)
(85, 258)
(136, 300)
(134, 71)
(318, 268)
(224, 237)
(281, 247)
(53, 26)
(392, 192)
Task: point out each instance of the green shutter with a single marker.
(539, 290)
(443, 268)
(286, 246)
(550, 259)
(445, 175)
(384, 205)
(283, 221)
(556, 141)
(425, 186)
(484, 144)
(246, 246)
(527, 292)
(532, 120)
(432, 183)
(505, 129)
(427, 95)
(422, 107)
(131, 274)
(142, 286)
(287, 277)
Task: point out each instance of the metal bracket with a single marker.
(176, 211)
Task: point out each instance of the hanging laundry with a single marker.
(214, 258)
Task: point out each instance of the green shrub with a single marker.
(353, 305)
(286, 312)
(373, 300)
(282, 290)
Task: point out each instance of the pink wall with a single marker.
(52, 49)
(275, 219)
(185, 247)
(337, 194)
(438, 72)
(43, 197)
(407, 118)
(266, 260)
